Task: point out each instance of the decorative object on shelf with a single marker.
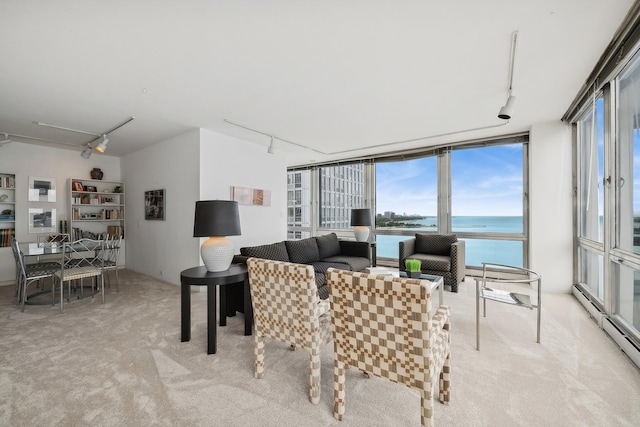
(3, 197)
(361, 221)
(216, 219)
(42, 189)
(42, 220)
(90, 188)
(77, 186)
(413, 267)
(154, 204)
(251, 196)
(117, 189)
(96, 173)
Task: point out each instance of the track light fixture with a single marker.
(102, 145)
(506, 111)
(272, 148)
(87, 152)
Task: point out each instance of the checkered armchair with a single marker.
(286, 307)
(384, 326)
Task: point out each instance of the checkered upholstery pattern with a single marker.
(383, 325)
(286, 307)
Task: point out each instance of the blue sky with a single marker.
(485, 181)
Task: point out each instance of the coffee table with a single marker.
(436, 281)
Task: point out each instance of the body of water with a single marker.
(477, 250)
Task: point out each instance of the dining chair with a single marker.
(53, 239)
(383, 326)
(81, 259)
(111, 257)
(287, 308)
(28, 275)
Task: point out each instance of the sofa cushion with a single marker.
(274, 251)
(433, 263)
(436, 244)
(353, 263)
(328, 245)
(322, 267)
(303, 251)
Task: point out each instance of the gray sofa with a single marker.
(322, 252)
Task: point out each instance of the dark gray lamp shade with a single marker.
(361, 216)
(216, 218)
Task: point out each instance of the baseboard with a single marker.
(624, 342)
(594, 311)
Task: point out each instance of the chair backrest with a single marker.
(54, 239)
(20, 268)
(82, 253)
(381, 325)
(285, 301)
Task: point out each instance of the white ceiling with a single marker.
(332, 75)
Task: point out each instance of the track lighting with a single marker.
(102, 145)
(272, 148)
(507, 109)
(86, 153)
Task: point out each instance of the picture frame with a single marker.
(77, 186)
(154, 205)
(90, 188)
(251, 196)
(42, 220)
(42, 189)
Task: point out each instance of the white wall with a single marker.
(198, 165)
(27, 160)
(227, 162)
(551, 202)
(162, 249)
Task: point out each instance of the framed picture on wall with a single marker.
(154, 204)
(42, 220)
(42, 189)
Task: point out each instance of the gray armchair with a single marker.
(440, 254)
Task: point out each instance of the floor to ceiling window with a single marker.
(476, 192)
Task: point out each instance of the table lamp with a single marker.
(216, 219)
(361, 220)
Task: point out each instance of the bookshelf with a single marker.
(7, 208)
(95, 207)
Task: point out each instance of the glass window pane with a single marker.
(628, 299)
(487, 189)
(628, 204)
(507, 252)
(341, 189)
(592, 272)
(591, 176)
(299, 199)
(407, 195)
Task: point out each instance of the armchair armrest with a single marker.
(406, 249)
(458, 260)
(440, 318)
(355, 248)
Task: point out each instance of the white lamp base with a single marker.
(217, 253)
(361, 232)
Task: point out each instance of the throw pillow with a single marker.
(435, 244)
(328, 245)
(274, 251)
(303, 251)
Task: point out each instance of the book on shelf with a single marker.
(5, 236)
(7, 182)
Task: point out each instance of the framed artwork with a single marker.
(42, 220)
(90, 188)
(154, 204)
(42, 189)
(77, 186)
(251, 196)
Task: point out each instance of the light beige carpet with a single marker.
(122, 364)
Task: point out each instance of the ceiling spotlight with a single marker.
(272, 148)
(86, 153)
(102, 145)
(507, 109)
